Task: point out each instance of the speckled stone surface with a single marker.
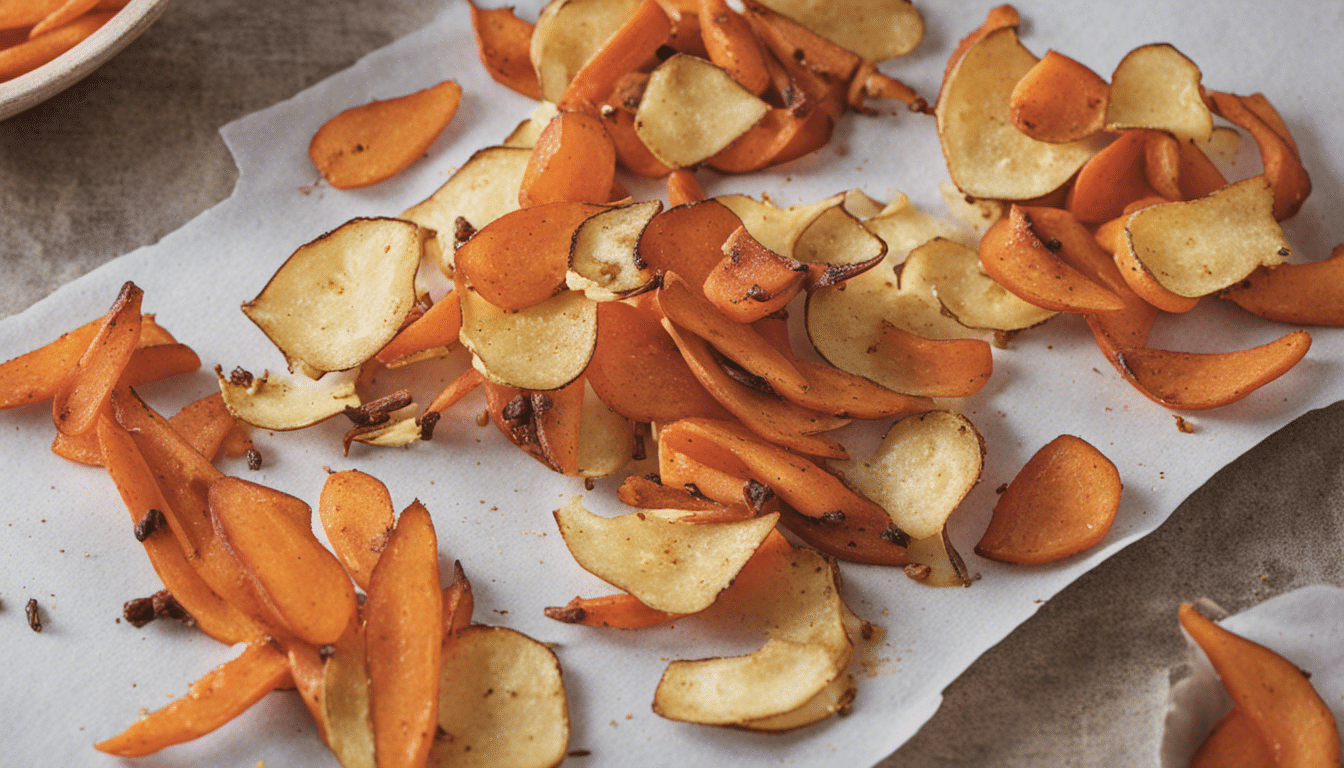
(133, 152)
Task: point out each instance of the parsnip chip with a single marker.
(777, 228)
(339, 299)
(692, 109)
(934, 562)
(525, 133)
(568, 33)
(1197, 247)
(987, 156)
(832, 699)
(401, 429)
(345, 701)
(976, 213)
(921, 471)
(1156, 86)
(285, 402)
(604, 262)
(836, 247)
(877, 30)
(606, 438)
(951, 273)
(545, 346)
(669, 565)
(482, 190)
(501, 702)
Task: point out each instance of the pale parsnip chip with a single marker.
(345, 701)
(976, 213)
(544, 346)
(568, 33)
(501, 702)
(877, 30)
(935, 562)
(604, 262)
(482, 190)
(285, 402)
(340, 298)
(921, 471)
(950, 272)
(1197, 247)
(860, 205)
(834, 698)
(1156, 86)
(669, 565)
(606, 438)
(401, 429)
(780, 677)
(777, 228)
(987, 156)
(525, 133)
(837, 247)
(692, 109)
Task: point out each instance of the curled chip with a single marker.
(1156, 86)
(285, 402)
(545, 346)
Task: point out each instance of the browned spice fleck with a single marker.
(30, 610)
(253, 459)
(152, 521)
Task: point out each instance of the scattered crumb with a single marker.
(1182, 425)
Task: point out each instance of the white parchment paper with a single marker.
(67, 541)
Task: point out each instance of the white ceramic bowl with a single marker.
(75, 64)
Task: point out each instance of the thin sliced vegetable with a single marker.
(503, 41)
(87, 387)
(357, 515)
(1305, 294)
(618, 611)
(1059, 100)
(573, 161)
(1196, 381)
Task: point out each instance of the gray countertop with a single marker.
(133, 152)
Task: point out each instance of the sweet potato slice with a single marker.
(631, 152)
(1274, 694)
(519, 260)
(731, 44)
(933, 367)
(374, 142)
(36, 375)
(429, 335)
(773, 418)
(1059, 100)
(618, 611)
(1061, 502)
(790, 40)
(31, 54)
(635, 42)
(752, 281)
(1013, 254)
(503, 41)
(573, 161)
(682, 187)
(701, 480)
(304, 583)
(1236, 740)
(140, 493)
(1278, 153)
(458, 602)
(223, 694)
(66, 13)
(558, 418)
(357, 515)
(1198, 175)
(1197, 381)
(204, 424)
(86, 388)
(403, 620)
(763, 143)
(1305, 294)
(650, 493)
(1162, 164)
(1111, 179)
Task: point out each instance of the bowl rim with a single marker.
(32, 88)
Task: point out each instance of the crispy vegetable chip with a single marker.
(365, 145)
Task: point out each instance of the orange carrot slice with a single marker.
(307, 669)
(688, 240)
(35, 376)
(357, 515)
(1145, 284)
(763, 143)
(558, 422)
(572, 161)
(1235, 741)
(304, 583)
(1274, 694)
(140, 492)
(1305, 294)
(619, 611)
(87, 386)
(1283, 167)
(403, 627)
(27, 56)
(630, 46)
(1111, 179)
(682, 187)
(204, 424)
(224, 693)
(739, 343)
(159, 361)
(637, 371)
(437, 328)
(752, 281)
(1013, 254)
(1197, 381)
(773, 418)
(935, 367)
(520, 259)
(1059, 100)
(792, 42)
(1162, 164)
(650, 493)
(731, 44)
(15, 15)
(503, 41)
(1198, 175)
(1062, 502)
(456, 390)
(68, 12)
(871, 83)
(374, 142)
